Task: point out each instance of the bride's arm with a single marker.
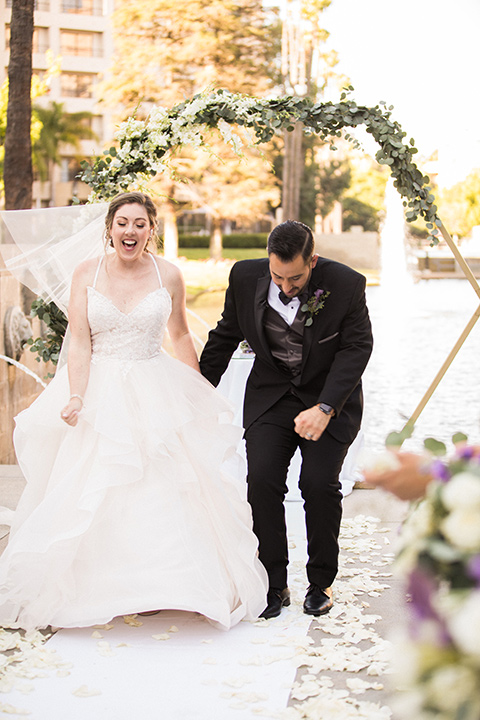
(178, 325)
(80, 347)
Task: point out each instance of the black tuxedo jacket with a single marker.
(336, 347)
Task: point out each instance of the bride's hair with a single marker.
(128, 199)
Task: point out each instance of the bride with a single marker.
(135, 500)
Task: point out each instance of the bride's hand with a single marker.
(70, 412)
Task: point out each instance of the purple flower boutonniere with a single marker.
(314, 305)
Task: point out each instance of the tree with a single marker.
(145, 146)
(306, 70)
(58, 128)
(182, 49)
(333, 179)
(166, 50)
(17, 171)
(229, 189)
(363, 201)
(324, 179)
(39, 88)
(459, 205)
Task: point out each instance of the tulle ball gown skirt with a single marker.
(141, 506)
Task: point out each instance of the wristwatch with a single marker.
(327, 409)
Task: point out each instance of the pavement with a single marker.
(382, 516)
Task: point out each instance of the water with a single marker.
(415, 326)
(413, 336)
(394, 275)
(24, 369)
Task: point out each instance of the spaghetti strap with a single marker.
(96, 274)
(158, 271)
(153, 260)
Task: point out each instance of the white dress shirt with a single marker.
(287, 312)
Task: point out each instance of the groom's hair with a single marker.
(290, 239)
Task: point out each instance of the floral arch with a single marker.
(143, 149)
(144, 145)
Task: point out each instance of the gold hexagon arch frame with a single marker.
(143, 147)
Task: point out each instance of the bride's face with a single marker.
(130, 231)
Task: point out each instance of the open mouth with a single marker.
(129, 244)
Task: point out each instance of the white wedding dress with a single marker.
(142, 505)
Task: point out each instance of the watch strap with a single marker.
(327, 409)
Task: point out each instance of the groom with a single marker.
(306, 319)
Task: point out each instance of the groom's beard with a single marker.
(296, 292)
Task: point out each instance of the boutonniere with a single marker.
(314, 305)
(245, 348)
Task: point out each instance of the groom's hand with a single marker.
(311, 423)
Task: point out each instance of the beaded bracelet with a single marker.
(77, 396)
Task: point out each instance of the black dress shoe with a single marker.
(276, 599)
(317, 601)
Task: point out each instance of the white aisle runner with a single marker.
(175, 665)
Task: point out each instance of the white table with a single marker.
(232, 386)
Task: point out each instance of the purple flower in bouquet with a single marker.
(441, 557)
(421, 588)
(474, 569)
(466, 453)
(314, 304)
(439, 470)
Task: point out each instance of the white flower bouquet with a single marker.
(440, 556)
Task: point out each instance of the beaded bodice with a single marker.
(128, 337)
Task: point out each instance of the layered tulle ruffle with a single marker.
(141, 506)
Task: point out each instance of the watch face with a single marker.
(327, 409)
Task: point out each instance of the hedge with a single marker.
(235, 240)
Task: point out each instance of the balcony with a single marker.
(82, 7)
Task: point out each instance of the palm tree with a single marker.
(58, 129)
(17, 170)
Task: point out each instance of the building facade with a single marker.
(76, 35)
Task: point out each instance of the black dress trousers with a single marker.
(271, 442)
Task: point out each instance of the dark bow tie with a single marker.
(285, 299)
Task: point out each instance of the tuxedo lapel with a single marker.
(311, 332)
(261, 295)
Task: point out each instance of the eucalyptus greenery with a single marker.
(144, 146)
(48, 347)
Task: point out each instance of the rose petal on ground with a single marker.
(83, 692)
